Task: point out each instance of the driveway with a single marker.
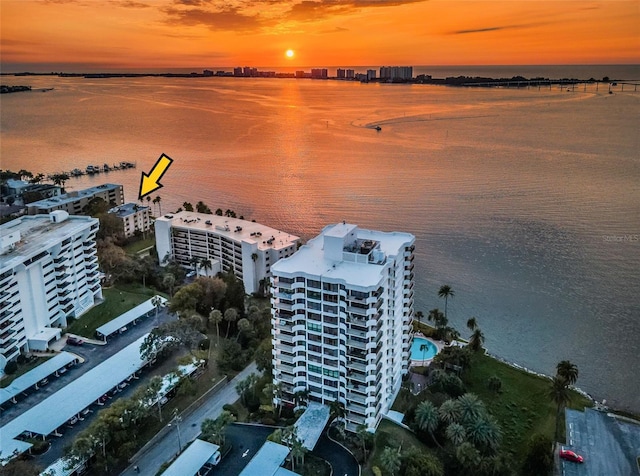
(342, 462)
(609, 445)
(164, 446)
(246, 441)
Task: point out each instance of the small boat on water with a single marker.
(378, 128)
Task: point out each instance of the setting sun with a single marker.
(289, 53)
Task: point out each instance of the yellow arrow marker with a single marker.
(150, 182)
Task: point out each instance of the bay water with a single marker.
(525, 201)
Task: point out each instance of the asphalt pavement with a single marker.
(92, 355)
(168, 441)
(608, 445)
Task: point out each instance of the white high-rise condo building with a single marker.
(48, 274)
(342, 311)
(75, 203)
(245, 248)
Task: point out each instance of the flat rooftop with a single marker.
(251, 232)
(311, 423)
(75, 195)
(114, 325)
(127, 209)
(311, 258)
(38, 233)
(33, 376)
(192, 459)
(267, 461)
(56, 410)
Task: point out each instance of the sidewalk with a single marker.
(167, 442)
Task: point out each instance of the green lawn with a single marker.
(134, 247)
(117, 300)
(523, 406)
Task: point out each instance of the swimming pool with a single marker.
(420, 353)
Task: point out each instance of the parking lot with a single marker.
(93, 355)
(609, 445)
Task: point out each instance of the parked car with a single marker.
(571, 456)
(73, 420)
(74, 341)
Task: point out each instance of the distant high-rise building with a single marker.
(48, 274)
(319, 73)
(350, 74)
(237, 71)
(340, 73)
(371, 74)
(207, 72)
(396, 72)
(341, 316)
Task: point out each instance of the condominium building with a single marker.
(342, 309)
(396, 72)
(75, 203)
(246, 248)
(48, 274)
(135, 218)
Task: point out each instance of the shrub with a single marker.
(495, 384)
(268, 421)
(21, 359)
(253, 403)
(376, 471)
(11, 367)
(204, 344)
(231, 409)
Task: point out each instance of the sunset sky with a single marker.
(45, 35)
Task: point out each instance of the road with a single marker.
(609, 446)
(165, 445)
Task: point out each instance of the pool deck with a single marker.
(425, 362)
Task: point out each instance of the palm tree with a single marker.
(244, 327)
(157, 302)
(215, 317)
(559, 394)
(445, 292)
(476, 340)
(297, 452)
(230, 315)
(471, 408)
(336, 410)
(169, 281)
(468, 455)
(439, 319)
(484, 432)
(456, 433)
(158, 200)
(194, 261)
(206, 265)
(365, 436)
(419, 315)
(449, 411)
(426, 418)
(390, 460)
(568, 371)
(472, 323)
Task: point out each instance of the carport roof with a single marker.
(53, 412)
(128, 317)
(192, 459)
(33, 376)
(267, 461)
(311, 423)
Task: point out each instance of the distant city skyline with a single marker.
(159, 34)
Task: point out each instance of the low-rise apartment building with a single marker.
(342, 310)
(246, 248)
(135, 218)
(75, 203)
